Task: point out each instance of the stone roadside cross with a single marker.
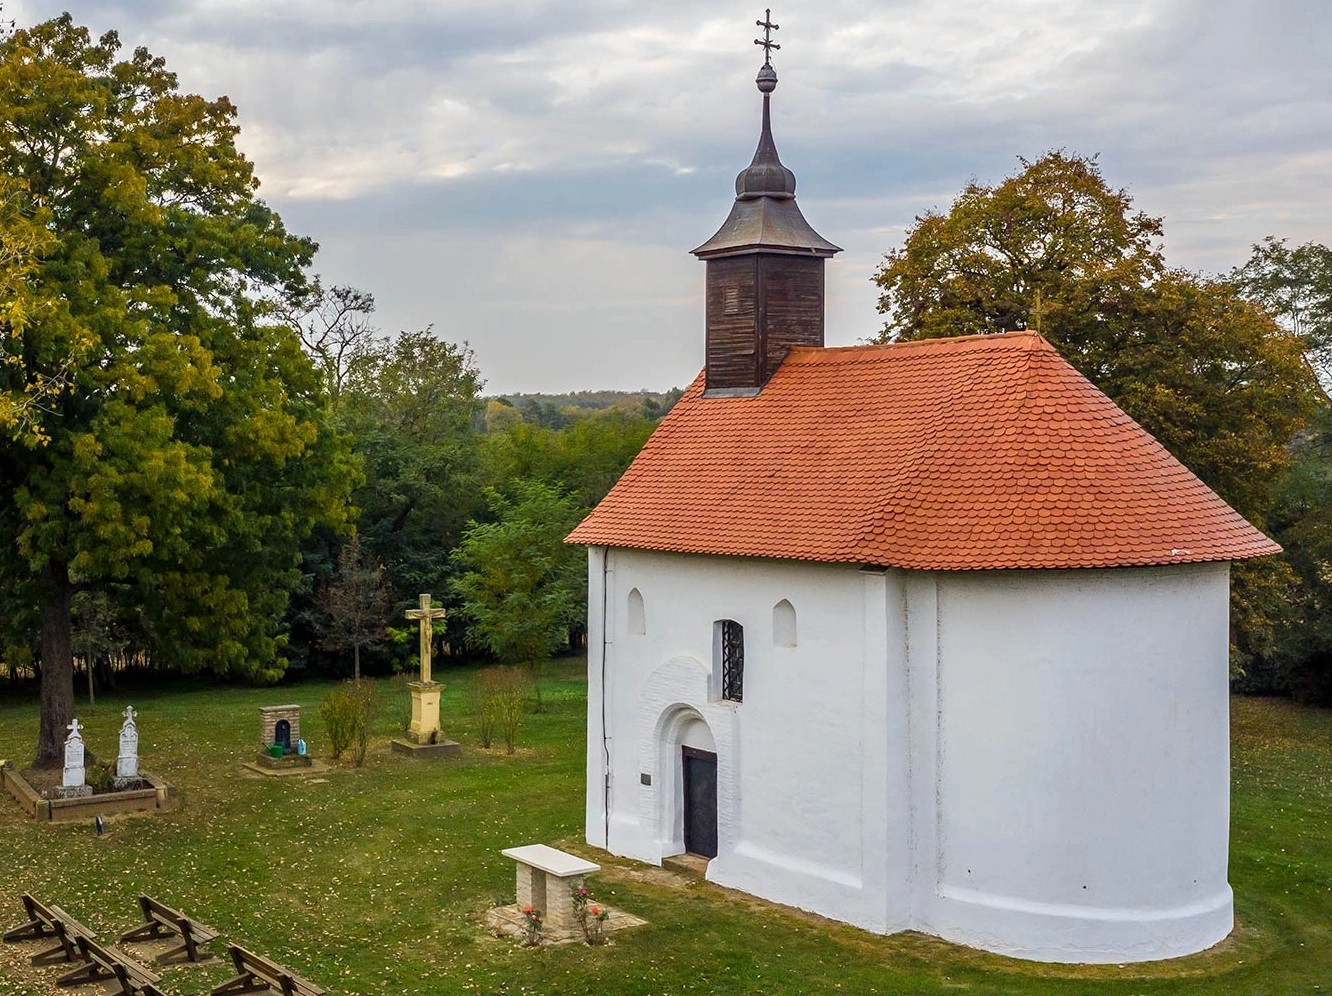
(426, 615)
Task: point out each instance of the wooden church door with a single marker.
(700, 801)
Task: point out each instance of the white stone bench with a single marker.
(546, 877)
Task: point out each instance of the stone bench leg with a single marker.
(559, 903)
(531, 888)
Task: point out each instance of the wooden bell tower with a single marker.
(764, 267)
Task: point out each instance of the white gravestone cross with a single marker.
(127, 764)
(426, 615)
(73, 757)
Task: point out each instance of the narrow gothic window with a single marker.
(637, 620)
(731, 651)
(784, 624)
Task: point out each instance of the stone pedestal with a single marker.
(424, 728)
(551, 895)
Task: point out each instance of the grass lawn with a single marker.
(372, 880)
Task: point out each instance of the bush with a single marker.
(348, 714)
(340, 713)
(368, 704)
(485, 702)
(499, 694)
(99, 777)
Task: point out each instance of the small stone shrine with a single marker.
(279, 733)
(424, 738)
(127, 762)
(73, 783)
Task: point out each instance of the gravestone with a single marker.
(127, 762)
(73, 784)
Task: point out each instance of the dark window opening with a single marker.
(732, 660)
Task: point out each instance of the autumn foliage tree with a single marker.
(185, 455)
(1211, 374)
(355, 604)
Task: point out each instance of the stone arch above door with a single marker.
(674, 700)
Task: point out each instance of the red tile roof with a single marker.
(968, 453)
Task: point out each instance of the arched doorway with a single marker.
(699, 782)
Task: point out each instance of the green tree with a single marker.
(1295, 285)
(1210, 374)
(27, 389)
(187, 457)
(520, 587)
(411, 405)
(587, 456)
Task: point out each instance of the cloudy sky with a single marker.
(529, 175)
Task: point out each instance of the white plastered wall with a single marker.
(799, 781)
(1080, 760)
(1034, 763)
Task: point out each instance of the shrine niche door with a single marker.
(700, 801)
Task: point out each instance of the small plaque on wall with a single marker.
(644, 778)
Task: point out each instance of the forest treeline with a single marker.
(211, 462)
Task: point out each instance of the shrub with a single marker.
(368, 705)
(99, 777)
(485, 700)
(500, 696)
(590, 916)
(338, 711)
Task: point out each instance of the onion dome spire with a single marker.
(766, 176)
(765, 216)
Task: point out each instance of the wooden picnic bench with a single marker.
(50, 921)
(162, 921)
(259, 975)
(115, 968)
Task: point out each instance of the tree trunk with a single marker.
(356, 657)
(106, 674)
(57, 667)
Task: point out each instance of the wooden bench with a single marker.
(50, 921)
(546, 878)
(122, 974)
(259, 975)
(162, 921)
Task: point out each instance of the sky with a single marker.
(529, 176)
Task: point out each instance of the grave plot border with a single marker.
(159, 797)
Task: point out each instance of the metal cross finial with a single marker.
(766, 41)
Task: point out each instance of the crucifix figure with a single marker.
(766, 41)
(426, 615)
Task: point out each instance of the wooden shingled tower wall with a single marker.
(765, 288)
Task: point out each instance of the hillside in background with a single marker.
(556, 411)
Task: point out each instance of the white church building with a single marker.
(923, 636)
